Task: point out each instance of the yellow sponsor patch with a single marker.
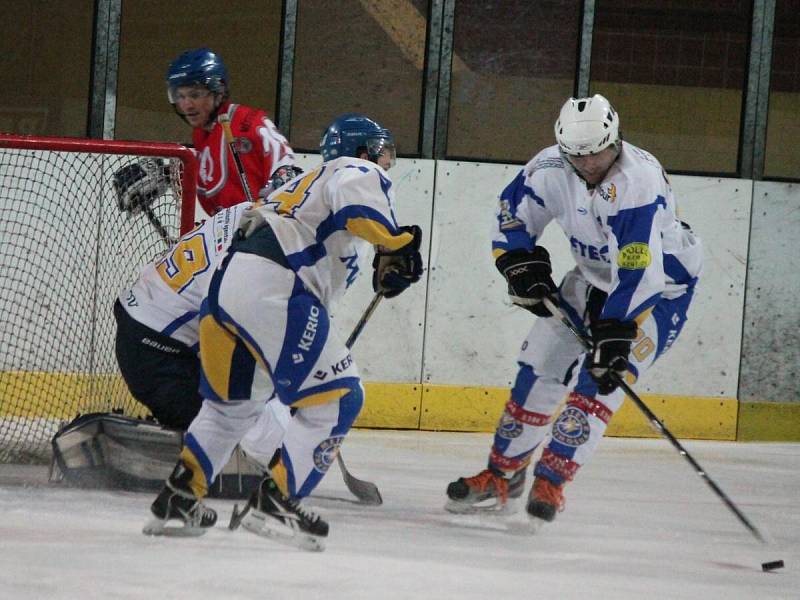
(634, 256)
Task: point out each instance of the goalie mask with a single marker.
(137, 185)
(353, 134)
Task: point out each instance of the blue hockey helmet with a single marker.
(201, 66)
(351, 134)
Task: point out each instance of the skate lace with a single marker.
(199, 512)
(549, 493)
(303, 512)
(484, 479)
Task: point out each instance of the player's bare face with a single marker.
(196, 104)
(593, 168)
(385, 161)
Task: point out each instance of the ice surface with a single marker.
(638, 523)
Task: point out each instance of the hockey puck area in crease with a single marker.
(772, 565)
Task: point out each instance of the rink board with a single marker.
(443, 355)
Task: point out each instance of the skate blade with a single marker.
(156, 526)
(533, 525)
(268, 527)
(496, 508)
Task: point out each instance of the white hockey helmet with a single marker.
(587, 126)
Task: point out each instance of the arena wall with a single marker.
(443, 355)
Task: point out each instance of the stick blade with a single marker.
(366, 491)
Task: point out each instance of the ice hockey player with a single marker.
(157, 337)
(266, 324)
(198, 88)
(636, 270)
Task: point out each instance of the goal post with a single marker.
(66, 250)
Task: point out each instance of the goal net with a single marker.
(66, 250)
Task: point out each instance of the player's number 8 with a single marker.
(179, 268)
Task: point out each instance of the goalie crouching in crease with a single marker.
(636, 270)
(265, 326)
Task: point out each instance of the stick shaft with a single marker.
(225, 122)
(363, 320)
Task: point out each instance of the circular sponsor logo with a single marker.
(509, 428)
(571, 428)
(325, 453)
(634, 256)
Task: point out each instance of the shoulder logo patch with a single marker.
(609, 195)
(634, 256)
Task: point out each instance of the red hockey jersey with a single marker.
(262, 150)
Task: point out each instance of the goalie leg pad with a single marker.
(101, 450)
(110, 451)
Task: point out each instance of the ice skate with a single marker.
(271, 514)
(487, 492)
(545, 500)
(177, 502)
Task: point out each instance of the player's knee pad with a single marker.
(574, 437)
(525, 420)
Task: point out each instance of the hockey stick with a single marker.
(225, 121)
(159, 227)
(657, 424)
(366, 491)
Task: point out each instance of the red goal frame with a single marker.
(68, 144)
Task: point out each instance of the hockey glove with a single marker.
(139, 184)
(529, 278)
(395, 270)
(611, 342)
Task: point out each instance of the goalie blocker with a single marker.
(111, 451)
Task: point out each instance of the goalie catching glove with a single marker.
(395, 270)
(611, 343)
(528, 274)
(139, 184)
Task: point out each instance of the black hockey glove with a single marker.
(139, 184)
(395, 270)
(611, 342)
(529, 278)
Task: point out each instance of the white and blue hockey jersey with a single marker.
(625, 235)
(167, 295)
(328, 219)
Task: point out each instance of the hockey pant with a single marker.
(261, 329)
(552, 365)
(161, 372)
